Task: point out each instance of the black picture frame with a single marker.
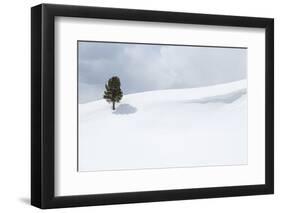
(43, 102)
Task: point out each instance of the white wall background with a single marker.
(15, 105)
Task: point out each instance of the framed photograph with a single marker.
(136, 106)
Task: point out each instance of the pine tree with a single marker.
(113, 92)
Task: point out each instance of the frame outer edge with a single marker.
(269, 118)
(36, 85)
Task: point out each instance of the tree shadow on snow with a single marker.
(125, 109)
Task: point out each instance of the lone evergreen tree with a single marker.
(113, 92)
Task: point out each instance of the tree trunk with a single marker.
(113, 105)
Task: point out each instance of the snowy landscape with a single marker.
(172, 128)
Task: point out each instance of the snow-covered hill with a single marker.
(166, 128)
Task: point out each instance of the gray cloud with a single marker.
(144, 67)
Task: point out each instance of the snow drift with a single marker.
(166, 128)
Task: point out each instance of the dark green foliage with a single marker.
(113, 92)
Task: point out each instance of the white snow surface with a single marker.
(166, 129)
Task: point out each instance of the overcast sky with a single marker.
(143, 67)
